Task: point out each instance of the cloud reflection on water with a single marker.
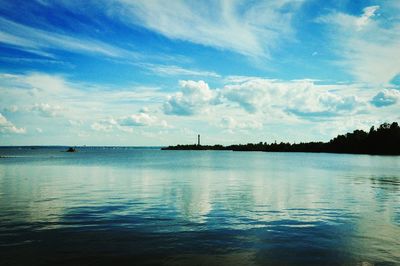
(263, 206)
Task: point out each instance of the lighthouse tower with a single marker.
(198, 140)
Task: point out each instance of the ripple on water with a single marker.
(104, 207)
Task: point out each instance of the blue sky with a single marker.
(122, 72)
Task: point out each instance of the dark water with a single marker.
(151, 207)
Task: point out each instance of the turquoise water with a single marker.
(128, 206)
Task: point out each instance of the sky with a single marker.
(150, 73)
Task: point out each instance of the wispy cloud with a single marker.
(173, 70)
(368, 13)
(8, 127)
(253, 29)
(41, 42)
(368, 45)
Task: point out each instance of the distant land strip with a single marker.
(385, 140)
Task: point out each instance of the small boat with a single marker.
(70, 149)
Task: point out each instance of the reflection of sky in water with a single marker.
(251, 207)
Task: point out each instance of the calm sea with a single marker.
(133, 206)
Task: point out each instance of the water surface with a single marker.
(132, 206)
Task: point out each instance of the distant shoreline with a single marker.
(227, 148)
(385, 140)
(77, 146)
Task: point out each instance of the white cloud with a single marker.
(246, 106)
(76, 107)
(232, 123)
(238, 79)
(47, 110)
(141, 119)
(386, 97)
(54, 94)
(127, 122)
(272, 98)
(193, 98)
(368, 45)
(250, 29)
(8, 127)
(262, 26)
(251, 95)
(45, 83)
(41, 42)
(105, 125)
(301, 97)
(76, 122)
(11, 109)
(368, 12)
(173, 70)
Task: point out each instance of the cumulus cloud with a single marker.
(194, 97)
(386, 97)
(8, 127)
(239, 104)
(251, 95)
(302, 97)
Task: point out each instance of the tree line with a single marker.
(384, 140)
